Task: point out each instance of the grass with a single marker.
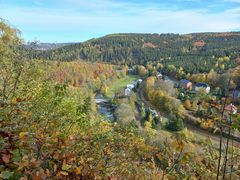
(119, 84)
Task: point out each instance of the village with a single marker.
(202, 104)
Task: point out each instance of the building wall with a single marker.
(207, 90)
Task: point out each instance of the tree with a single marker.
(104, 89)
(167, 87)
(175, 124)
(159, 66)
(10, 60)
(212, 78)
(187, 104)
(124, 71)
(142, 71)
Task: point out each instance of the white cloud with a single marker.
(111, 17)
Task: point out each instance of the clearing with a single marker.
(119, 84)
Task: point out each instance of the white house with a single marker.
(202, 86)
(139, 81)
(127, 92)
(130, 86)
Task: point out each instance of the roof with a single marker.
(185, 81)
(231, 107)
(202, 85)
(130, 85)
(128, 89)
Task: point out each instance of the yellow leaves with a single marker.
(22, 135)
(90, 159)
(66, 167)
(209, 123)
(190, 146)
(55, 168)
(184, 160)
(62, 173)
(26, 114)
(223, 66)
(78, 170)
(142, 71)
(105, 127)
(104, 89)
(160, 157)
(101, 164)
(178, 145)
(150, 82)
(151, 132)
(14, 102)
(187, 104)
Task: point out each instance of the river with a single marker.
(105, 107)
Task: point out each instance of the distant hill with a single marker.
(45, 46)
(196, 49)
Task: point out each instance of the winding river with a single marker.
(105, 107)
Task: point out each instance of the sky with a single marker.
(80, 20)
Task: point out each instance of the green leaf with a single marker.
(7, 174)
(16, 155)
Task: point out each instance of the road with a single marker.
(194, 128)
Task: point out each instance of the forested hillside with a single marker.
(194, 52)
(44, 46)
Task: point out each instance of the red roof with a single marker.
(231, 107)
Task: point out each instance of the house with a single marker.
(127, 92)
(202, 86)
(139, 81)
(130, 86)
(231, 108)
(159, 75)
(130, 70)
(186, 84)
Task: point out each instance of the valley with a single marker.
(123, 106)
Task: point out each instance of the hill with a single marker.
(44, 46)
(193, 49)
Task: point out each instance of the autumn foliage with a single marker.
(49, 127)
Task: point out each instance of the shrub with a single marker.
(175, 124)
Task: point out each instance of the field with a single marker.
(119, 84)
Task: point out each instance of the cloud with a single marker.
(98, 17)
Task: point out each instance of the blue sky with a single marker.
(80, 20)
